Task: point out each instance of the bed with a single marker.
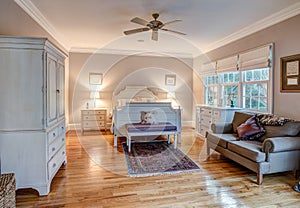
(128, 106)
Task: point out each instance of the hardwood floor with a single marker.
(95, 176)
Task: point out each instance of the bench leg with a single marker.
(115, 140)
(179, 138)
(169, 140)
(129, 143)
(175, 141)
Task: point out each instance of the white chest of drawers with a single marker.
(93, 119)
(206, 115)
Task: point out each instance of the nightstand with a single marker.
(93, 119)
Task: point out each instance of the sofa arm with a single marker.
(221, 127)
(281, 144)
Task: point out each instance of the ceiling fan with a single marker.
(153, 25)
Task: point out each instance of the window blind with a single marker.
(227, 64)
(255, 59)
(208, 69)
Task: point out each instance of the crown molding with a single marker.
(35, 14)
(273, 19)
(129, 52)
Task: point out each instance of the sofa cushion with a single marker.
(239, 118)
(250, 129)
(221, 139)
(248, 149)
(291, 128)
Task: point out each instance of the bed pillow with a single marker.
(250, 129)
(147, 118)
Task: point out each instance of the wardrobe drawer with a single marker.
(62, 128)
(55, 163)
(52, 135)
(55, 146)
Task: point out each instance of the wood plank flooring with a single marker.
(96, 176)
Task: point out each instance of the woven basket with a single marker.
(7, 190)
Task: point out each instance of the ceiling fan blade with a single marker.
(140, 21)
(180, 33)
(171, 22)
(154, 35)
(129, 32)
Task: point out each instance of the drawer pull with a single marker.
(53, 149)
(54, 134)
(62, 127)
(63, 153)
(54, 165)
(63, 139)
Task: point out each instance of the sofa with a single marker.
(270, 147)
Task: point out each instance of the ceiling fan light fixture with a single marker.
(153, 25)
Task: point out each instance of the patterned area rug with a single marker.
(156, 158)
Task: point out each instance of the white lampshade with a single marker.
(94, 95)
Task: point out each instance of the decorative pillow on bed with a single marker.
(250, 129)
(147, 118)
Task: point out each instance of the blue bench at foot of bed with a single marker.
(138, 129)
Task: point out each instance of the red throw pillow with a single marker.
(250, 129)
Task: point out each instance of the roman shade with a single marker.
(228, 64)
(256, 58)
(208, 69)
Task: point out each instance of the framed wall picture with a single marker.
(95, 78)
(290, 73)
(170, 79)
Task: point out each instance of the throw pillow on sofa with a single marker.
(291, 128)
(250, 129)
(239, 118)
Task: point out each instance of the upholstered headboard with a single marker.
(133, 94)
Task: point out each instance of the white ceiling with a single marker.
(84, 25)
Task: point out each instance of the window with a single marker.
(229, 89)
(211, 89)
(255, 89)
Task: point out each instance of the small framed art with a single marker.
(290, 73)
(95, 78)
(170, 79)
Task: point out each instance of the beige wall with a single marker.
(15, 22)
(286, 37)
(120, 71)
